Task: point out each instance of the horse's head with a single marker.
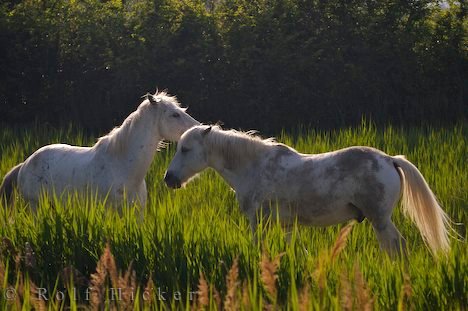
(172, 120)
(190, 158)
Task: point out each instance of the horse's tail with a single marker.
(9, 182)
(421, 205)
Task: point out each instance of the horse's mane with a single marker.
(116, 140)
(236, 146)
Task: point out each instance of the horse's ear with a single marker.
(152, 100)
(206, 131)
(150, 97)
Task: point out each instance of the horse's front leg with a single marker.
(249, 207)
(289, 228)
(142, 196)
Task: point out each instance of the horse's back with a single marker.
(51, 157)
(288, 165)
(362, 176)
(354, 167)
(323, 187)
(53, 167)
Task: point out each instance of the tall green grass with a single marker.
(199, 231)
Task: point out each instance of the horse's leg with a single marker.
(251, 208)
(289, 229)
(34, 205)
(253, 222)
(389, 237)
(142, 198)
(269, 214)
(377, 208)
(248, 207)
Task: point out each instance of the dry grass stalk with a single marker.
(18, 262)
(149, 292)
(246, 297)
(230, 301)
(341, 240)
(3, 274)
(122, 286)
(217, 298)
(326, 258)
(38, 303)
(127, 285)
(365, 301)
(203, 293)
(304, 298)
(268, 269)
(98, 282)
(110, 266)
(320, 272)
(345, 292)
(405, 294)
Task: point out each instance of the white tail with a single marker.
(421, 205)
(9, 182)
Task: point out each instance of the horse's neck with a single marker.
(234, 172)
(234, 178)
(138, 150)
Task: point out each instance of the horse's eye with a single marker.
(184, 149)
(176, 115)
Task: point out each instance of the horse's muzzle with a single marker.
(172, 181)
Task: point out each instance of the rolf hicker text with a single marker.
(110, 294)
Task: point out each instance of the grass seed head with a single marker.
(304, 298)
(345, 292)
(341, 240)
(406, 293)
(365, 301)
(149, 291)
(230, 301)
(203, 293)
(38, 303)
(98, 282)
(127, 285)
(268, 269)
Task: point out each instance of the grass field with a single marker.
(196, 239)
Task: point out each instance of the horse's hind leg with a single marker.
(389, 237)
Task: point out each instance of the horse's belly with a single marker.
(327, 217)
(314, 214)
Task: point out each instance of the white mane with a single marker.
(237, 147)
(116, 140)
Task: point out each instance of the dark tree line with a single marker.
(265, 64)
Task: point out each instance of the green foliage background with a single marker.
(323, 63)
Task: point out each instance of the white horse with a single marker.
(114, 167)
(321, 189)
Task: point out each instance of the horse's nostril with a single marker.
(171, 180)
